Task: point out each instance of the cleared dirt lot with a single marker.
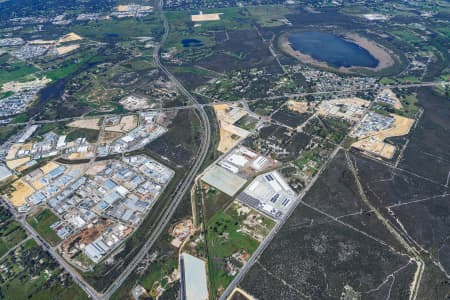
(374, 141)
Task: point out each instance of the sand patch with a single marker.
(13, 151)
(87, 124)
(110, 136)
(70, 37)
(13, 164)
(80, 155)
(230, 135)
(241, 294)
(227, 141)
(66, 49)
(205, 17)
(300, 107)
(373, 142)
(17, 86)
(42, 42)
(127, 123)
(22, 191)
(49, 167)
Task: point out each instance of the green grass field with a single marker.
(223, 240)
(11, 233)
(268, 16)
(181, 26)
(409, 79)
(120, 29)
(387, 81)
(41, 223)
(91, 135)
(12, 69)
(215, 200)
(407, 36)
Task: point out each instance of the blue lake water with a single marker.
(332, 49)
(191, 43)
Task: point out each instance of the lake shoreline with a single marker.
(380, 53)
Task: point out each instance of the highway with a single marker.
(165, 216)
(186, 182)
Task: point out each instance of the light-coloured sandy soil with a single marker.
(70, 37)
(22, 191)
(230, 135)
(205, 17)
(127, 123)
(300, 107)
(17, 86)
(12, 164)
(374, 142)
(66, 49)
(87, 124)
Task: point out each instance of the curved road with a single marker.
(187, 180)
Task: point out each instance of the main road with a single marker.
(194, 104)
(186, 181)
(77, 278)
(268, 239)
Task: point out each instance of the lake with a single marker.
(191, 43)
(332, 49)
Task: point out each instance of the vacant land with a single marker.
(224, 239)
(180, 142)
(13, 69)
(314, 257)
(335, 192)
(41, 223)
(428, 152)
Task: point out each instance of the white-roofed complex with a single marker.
(270, 194)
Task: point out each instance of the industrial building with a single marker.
(194, 285)
(270, 194)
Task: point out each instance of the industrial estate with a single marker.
(232, 150)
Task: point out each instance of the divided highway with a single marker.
(185, 184)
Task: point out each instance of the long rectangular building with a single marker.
(194, 285)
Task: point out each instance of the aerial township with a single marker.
(171, 149)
